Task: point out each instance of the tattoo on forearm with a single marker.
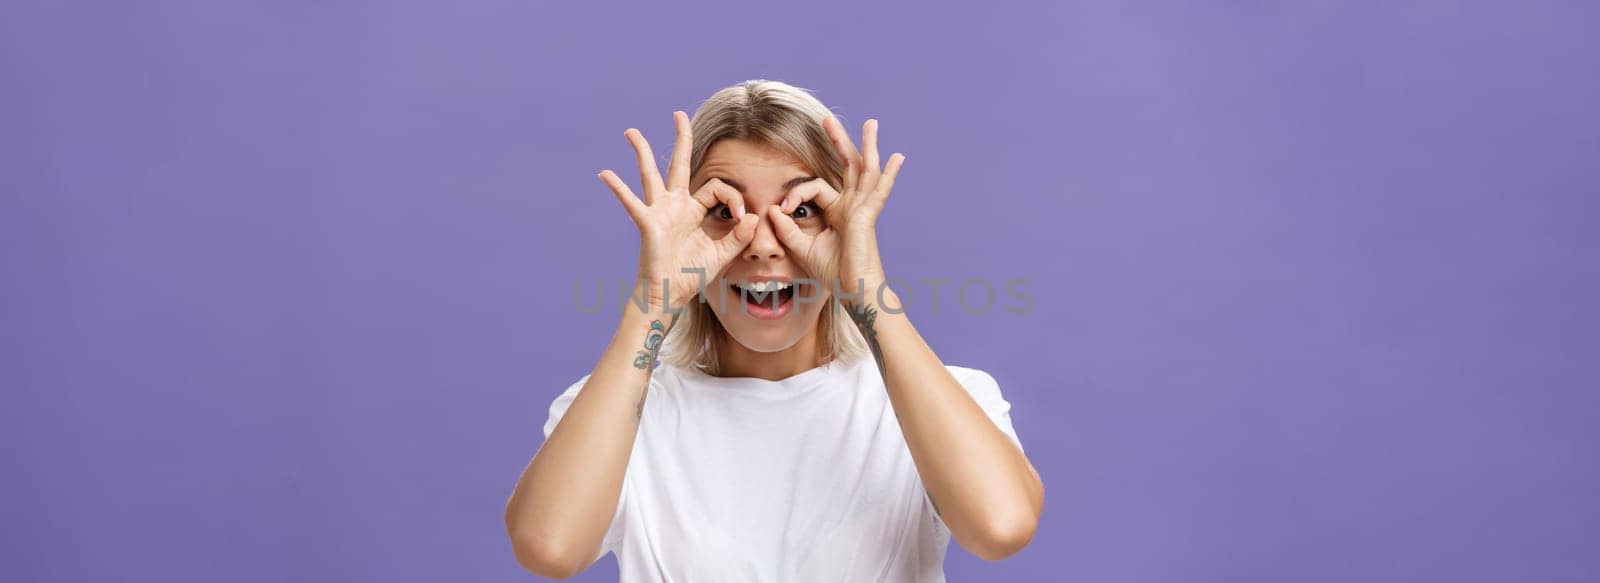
(652, 345)
(865, 317)
(646, 360)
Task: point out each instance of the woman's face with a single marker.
(770, 318)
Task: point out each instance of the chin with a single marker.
(769, 335)
(764, 336)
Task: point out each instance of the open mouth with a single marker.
(766, 300)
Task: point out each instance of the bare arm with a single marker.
(981, 484)
(566, 497)
(563, 503)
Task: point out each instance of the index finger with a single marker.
(812, 190)
(715, 190)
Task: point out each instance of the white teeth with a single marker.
(764, 286)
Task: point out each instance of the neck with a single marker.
(737, 360)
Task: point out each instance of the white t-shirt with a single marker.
(754, 481)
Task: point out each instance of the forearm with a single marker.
(983, 486)
(568, 493)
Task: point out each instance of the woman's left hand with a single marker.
(846, 249)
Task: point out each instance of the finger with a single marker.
(886, 183)
(740, 237)
(869, 144)
(714, 191)
(846, 149)
(814, 190)
(787, 231)
(869, 155)
(630, 202)
(841, 139)
(649, 175)
(678, 170)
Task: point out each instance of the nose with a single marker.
(765, 245)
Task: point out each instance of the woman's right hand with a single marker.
(673, 243)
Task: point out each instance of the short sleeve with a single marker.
(986, 392)
(558, 409)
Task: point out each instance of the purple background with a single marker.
(287, 288)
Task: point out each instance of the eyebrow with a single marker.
(787, 186)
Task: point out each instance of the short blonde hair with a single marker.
(789, 119)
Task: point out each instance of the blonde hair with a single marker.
(789, 119)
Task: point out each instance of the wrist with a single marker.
(869, 291)
(642, 333)
(636, 314)
(867, 282)
(657, 294)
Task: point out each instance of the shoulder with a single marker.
(563, 401)
(982, 386)
(963, 372)
(985, 390)
(665, 374)
(974, 379)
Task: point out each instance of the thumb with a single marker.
(740, 237)
(783, 225)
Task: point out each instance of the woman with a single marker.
(799, 428)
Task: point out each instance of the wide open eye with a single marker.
(806, 210)
(721, 211)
